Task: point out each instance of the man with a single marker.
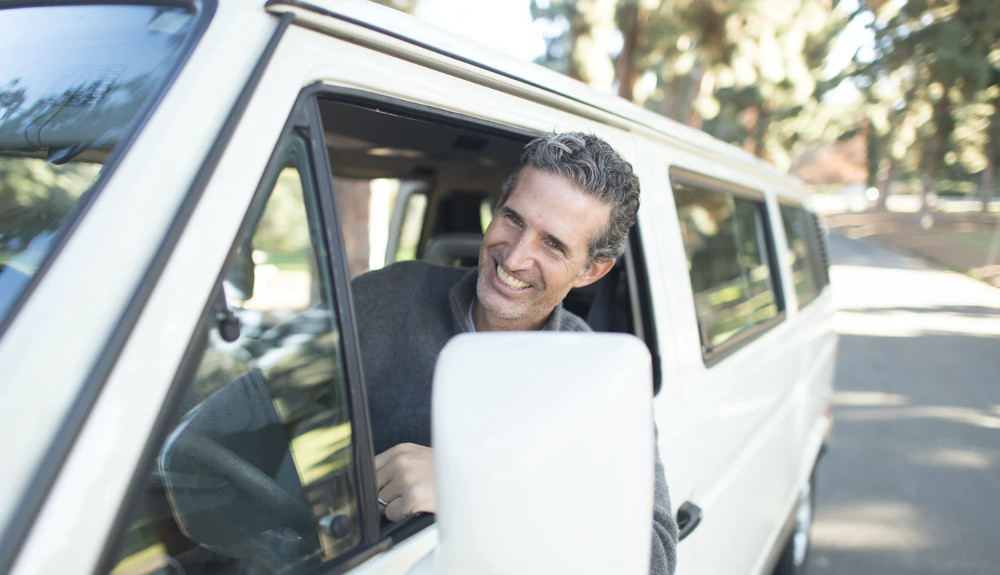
(561, 221)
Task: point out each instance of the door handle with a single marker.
(688, 517)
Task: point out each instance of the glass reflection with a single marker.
(64, 106)
(724, 240)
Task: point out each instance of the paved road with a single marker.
(911, 483)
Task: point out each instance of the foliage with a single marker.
(932, 89)
(743, 70)
(757, 73)
(35, 198)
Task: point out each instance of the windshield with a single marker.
(73, 81)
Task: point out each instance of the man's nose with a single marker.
(520, 253)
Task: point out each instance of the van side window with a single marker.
(804, 253)
(257, 472)
(730, 261)
(822, 260)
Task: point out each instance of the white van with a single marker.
(187, 188)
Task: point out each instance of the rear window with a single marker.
(82, 77)
(730, 256)
(805, 253)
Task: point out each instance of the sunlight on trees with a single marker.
(924, 93)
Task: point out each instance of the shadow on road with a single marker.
(910, 480)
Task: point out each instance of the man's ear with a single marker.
(598, 268)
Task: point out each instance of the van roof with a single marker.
(395, 26)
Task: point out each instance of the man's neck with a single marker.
(483, 320)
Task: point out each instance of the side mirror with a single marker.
(543, 454)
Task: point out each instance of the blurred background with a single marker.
(894, 95)
(890, 111)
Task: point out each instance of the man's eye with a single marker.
(556, 246)
(513, 219)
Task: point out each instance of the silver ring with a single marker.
(382, 501)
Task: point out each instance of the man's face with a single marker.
(536, 249)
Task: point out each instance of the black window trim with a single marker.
(742, 339)
(364, 457)
(642, 302)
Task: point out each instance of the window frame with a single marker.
(637, 276)
(692, 179)
(304, 122)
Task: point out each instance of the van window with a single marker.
(822, 260)
(729, 255)
(65, 107)
(412, 222)
(257, 473)
(803, 252)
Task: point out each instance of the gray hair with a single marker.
(594, 167)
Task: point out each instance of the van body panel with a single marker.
(739, 436)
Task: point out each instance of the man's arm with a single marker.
(663, 559)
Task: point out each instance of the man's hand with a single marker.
(405, 478)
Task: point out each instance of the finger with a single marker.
(396, 510)
(384, 468)
(382, 458)
(393, 489)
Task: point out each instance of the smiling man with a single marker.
(561, 221)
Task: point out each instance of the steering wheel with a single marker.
(257, 487)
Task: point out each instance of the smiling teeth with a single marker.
(509, 280)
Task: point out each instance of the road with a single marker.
(911, 482)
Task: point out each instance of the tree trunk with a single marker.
(987, 184)
(591, 28)
(352, 197)
(935, 150)
(631, 21)
(749, 118)
(886, 176)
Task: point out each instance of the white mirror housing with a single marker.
(543, 454)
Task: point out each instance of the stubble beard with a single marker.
(494, 302)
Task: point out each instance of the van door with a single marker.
(738, 368)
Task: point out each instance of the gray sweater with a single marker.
(405, 314)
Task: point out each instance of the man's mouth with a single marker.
(509, 280)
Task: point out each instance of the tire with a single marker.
(793, 556)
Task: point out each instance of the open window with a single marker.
(416, 183)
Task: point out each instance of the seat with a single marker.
(455, 249)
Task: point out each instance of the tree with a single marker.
(585, 34)
(740, 69)
(942, 57)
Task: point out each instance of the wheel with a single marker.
(225, 503)
(793, 556)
